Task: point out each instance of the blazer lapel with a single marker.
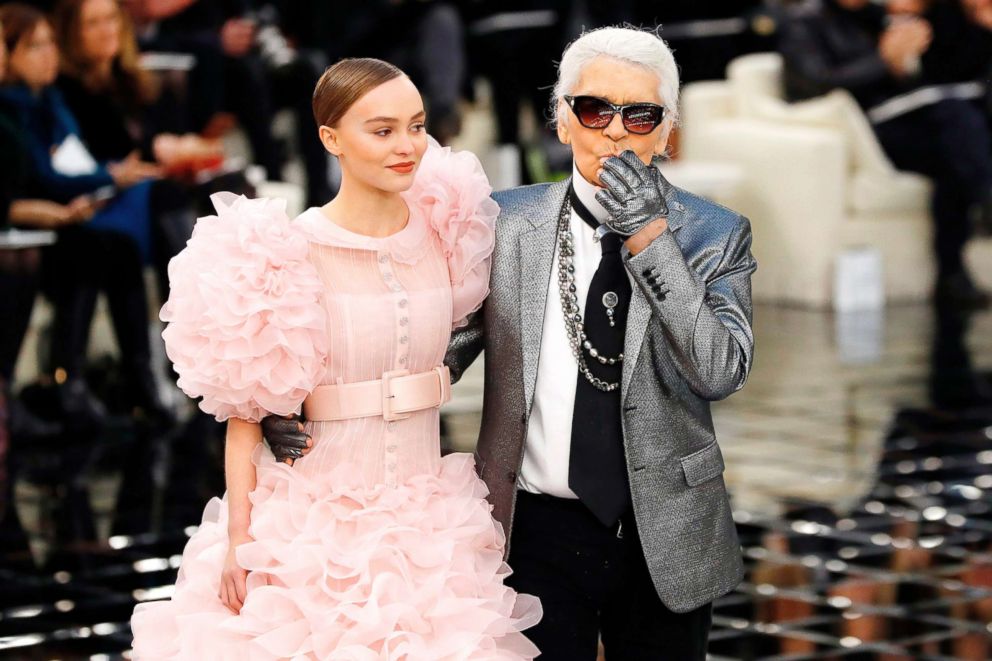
(639, 313)
(537, 251)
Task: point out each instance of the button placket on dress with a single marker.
(401, 302)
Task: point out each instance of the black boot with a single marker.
(25, 425)
(148, 398)
(959, 289)
(981, 217)
(79, 406)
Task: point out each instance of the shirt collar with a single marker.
(586, 193)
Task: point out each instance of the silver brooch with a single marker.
(610, 301)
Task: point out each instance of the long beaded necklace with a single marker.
(577, 338)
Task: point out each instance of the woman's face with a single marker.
(100, 30)
(381, 138)
(35, 59)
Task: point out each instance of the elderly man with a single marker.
(601, 359)
(620, 307)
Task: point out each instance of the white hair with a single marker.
(640, 47)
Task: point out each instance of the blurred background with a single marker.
(853, 133)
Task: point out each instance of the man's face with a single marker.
(621, 83)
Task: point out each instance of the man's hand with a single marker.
(633, 194)
(286, 437)
(903, 43)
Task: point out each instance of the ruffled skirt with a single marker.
(412, 572)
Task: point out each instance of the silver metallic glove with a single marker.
(633, 194)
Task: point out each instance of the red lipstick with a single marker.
(402, 168)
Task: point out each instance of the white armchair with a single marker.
(816, 182)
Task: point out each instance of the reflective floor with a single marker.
(858, 456)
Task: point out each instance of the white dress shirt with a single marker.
(549, 434)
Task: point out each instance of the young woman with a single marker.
(372, 546)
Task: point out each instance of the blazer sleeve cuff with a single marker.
(674, 291)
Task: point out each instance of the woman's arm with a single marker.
(45, 214)
(60, 187)
(242, 437)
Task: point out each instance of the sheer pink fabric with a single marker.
(372, 546)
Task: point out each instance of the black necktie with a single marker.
(597, 470)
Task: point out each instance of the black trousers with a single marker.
(19, 282)
(949, 142)
(595, 583)
(82, 263)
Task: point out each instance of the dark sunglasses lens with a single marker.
(593, 113)
(641, 119)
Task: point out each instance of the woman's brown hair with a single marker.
(19, 22)
(346, 82)
(128, 78)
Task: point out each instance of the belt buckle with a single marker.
(444, 381)
(387, 396)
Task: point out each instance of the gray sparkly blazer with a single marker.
(689, 327)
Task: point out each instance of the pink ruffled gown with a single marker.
(372, 546)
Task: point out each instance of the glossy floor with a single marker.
(859, 457)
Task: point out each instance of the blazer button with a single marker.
(647, 272)
(523, 419)
(656, 289)
(512, 477)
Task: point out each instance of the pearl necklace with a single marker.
(577, 338)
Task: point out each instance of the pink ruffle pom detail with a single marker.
(453, 191)
(246, 328)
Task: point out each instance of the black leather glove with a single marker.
(633, 194)
(285, 436)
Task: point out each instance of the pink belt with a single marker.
(395, 396)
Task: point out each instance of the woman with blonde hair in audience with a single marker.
(115, 103)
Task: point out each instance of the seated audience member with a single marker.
(855, 45)
(237, 74)
(20, 267)
(108, 95)
(105, 254)
(704, 34)
(518, 56)
(424, 38)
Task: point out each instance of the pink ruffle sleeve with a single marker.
(453, 191)
(246, 328)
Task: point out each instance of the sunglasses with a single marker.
(595, 113)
